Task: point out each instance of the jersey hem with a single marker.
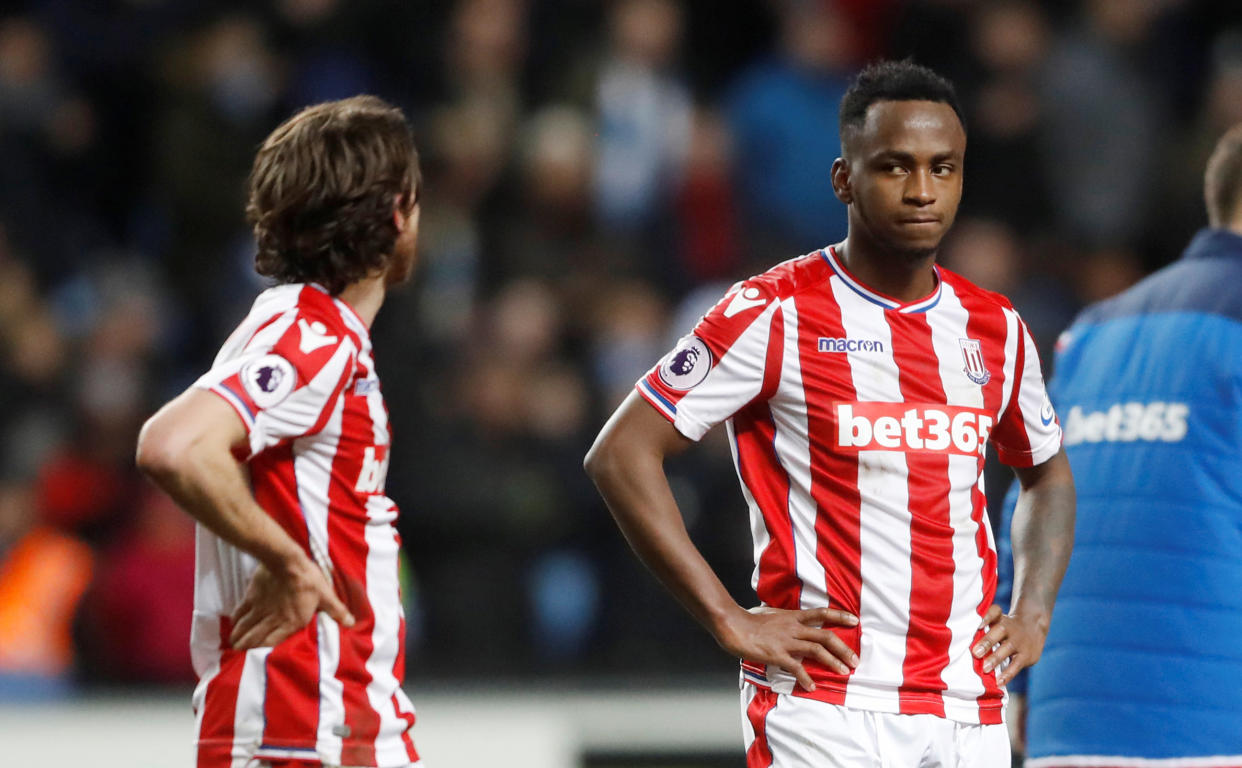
(972, 711)
(1119, 761)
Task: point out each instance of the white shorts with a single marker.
(785, 731)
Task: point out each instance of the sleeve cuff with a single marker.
(687, 425)
(1034, 457)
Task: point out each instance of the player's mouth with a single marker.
(919, 220)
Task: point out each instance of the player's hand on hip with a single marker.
(1013, 638)
(278, 604)
(787, 638)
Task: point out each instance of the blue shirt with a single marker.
(1144, 655)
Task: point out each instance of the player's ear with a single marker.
(841, 181)
(401, 212)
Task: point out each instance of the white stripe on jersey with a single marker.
(248, 718)
(735, 379)
(383, 591)
(884, 516)
(948, 325)
(793, 448)
(314, 478)
(297, 413)
(1012, 336)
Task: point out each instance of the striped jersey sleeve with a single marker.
(1028, 432)
(284, 382)
(719, 367)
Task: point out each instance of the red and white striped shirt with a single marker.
(299, 373)
(858, 426)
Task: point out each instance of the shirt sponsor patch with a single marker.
(912, 428)
(268, 380)
(687, 365)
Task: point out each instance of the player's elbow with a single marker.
(597, 459)
(605, 458)
(160, 450)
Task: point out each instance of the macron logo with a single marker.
(830, 344)
(745, 299)
(314, 336)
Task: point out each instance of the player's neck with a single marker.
(904, 277)
(365, 297)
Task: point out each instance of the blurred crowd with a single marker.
(596, 175)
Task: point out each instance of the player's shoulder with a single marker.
(973, 296)
(299, 321)
(789, 277)
(750, 297)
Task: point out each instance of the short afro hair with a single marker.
(893, 81)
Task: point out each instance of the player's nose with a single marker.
(919, 189)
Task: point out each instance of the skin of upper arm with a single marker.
(1053, 472)
(193, 421)
(635, 428)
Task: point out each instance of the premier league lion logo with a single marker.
(687, 365)
(268, 378)
(683, 362)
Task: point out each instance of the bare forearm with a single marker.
(638, 495)
(185, 449)
(1043, 537)
(213, 490)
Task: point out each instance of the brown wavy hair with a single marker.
(323, 189)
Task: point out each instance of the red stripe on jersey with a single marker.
(215, 736)
(347, 548)
(759, 754)
(291, 702)
(834, 483)
(931, 530)
(398, 670)
(1011, 427)
(761, 470)
(987, 322)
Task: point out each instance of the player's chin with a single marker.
(917, 246)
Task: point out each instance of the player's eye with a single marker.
(942, 170)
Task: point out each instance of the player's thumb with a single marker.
(330, 604)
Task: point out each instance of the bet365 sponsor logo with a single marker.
(1127, 422)
(912, 428)
(374, 470)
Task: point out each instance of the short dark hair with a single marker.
(1222, 183)
(323, 189)
(893, 81)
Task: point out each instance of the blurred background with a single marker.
(596, 175)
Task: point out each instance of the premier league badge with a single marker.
(687, 365)
(268, 380)
(976, 370)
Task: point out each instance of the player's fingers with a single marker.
(833, 644)
(242, 624)
(992, 616)
(985, 644)
(1002, 652)
(818, 617)
(795, 668)
(820, 653)
(1016, 665)
(330, 604)
(251, 637)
